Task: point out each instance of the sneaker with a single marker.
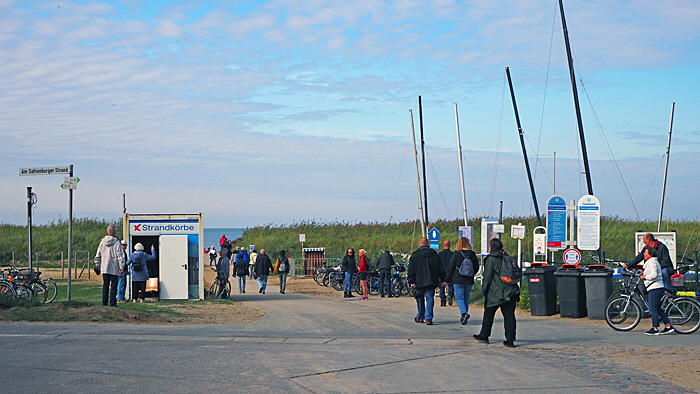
(134, 301)
(465, 318)
(260, 290)
(652, 331)
(508, 344)
(667, 330)
(429, 322)
(450, 300)
(480, 339)
(121, 301)
(417, 320)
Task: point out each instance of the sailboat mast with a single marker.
(461, 169)
(422, 149)
(570, 59)
(522, 145)
(668, 156)
(420, 195)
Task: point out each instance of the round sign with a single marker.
(572, 256)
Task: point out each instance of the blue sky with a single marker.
(278, 111)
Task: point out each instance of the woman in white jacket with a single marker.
(655, 286)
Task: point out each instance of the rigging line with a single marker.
(658, 168)
(544, 96)
(537, 159)
(398, 181)
(471, 176)
(439, 189)
(609, 151)
(498, 147)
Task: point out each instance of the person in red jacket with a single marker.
(362, 270)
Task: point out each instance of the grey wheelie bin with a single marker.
(572, 291)
(542, 287)
(599, 287)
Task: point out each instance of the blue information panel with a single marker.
(556, 222)
(434, 238)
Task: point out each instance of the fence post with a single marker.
(62, 275)
(75, 259)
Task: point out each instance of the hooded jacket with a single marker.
(425, 268)
(495, 291)
(142, 257)
(110, 256)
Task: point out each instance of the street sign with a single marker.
(70, 183)
(466, 232)
(588, 234)
(517, 231)
(487, 234)
(539, 243)
(556, 222)
(572, 256)
(434, 238)
(302, 237)
(44, 171)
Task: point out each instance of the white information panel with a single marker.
(588, 229)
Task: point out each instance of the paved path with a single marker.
(328, 345)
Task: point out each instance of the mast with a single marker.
(522, 145)
(422, 149)
(574, 90)
(420, 194)
(461, 170)
(668, 156)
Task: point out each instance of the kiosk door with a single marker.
(173, 267)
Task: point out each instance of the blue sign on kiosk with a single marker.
(434, 238)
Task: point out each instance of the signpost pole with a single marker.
(29, 224)
(70, 234)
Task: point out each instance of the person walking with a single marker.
(282, 267)
(384, 264)
(223, 269)
(362, 272)
(349, 267)
(121, 282)
(109, 261)
(139, 271)
(240, 270)
(447, 292)
(663, 256)
(462, 284)
(653, 280)
(424, 273)
(212, 255)
(251, 263)
(497, 294)
(263, 265)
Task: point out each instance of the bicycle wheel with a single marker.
(623, 313)
(215, 290)
(39, 292)
(24, 292)
(396, 288)
(356, 285)
(373, 286)
(326, 280)
(318, 277)
(51, 289)
(228, 289)
(404, 286)
(684, 314)
(337, 284)
(7, 293)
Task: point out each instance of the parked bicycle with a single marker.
(623, 311)
(27, 284)
(399, 284)
(221, 288)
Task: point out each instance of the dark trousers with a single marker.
(444, 294)
(138, 289)
(384, 282)
(508, 312)
(109, 289)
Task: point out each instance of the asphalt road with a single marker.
(329, 345)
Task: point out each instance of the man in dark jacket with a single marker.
(664, 257)
(424, 274)
(263, 265)
(384, 264)
(447, 293)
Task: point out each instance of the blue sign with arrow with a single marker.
(434, 238)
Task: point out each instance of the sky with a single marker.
(276, 112)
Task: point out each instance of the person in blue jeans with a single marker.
(653, 280)
(462, 284)
(349, 267)
(424, 273)
(121, 282)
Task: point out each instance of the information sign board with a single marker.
(588, 229)
(556, 222)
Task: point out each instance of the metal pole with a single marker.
(29, 224)
(668, 156)
(574, 90)
(554, 182)
(70, 235)
(420, 194)
(461, 169)
(522, 146)
(425, 181)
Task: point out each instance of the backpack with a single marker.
(467, 267)
(136, 265)
(283, 265)
(511, 273)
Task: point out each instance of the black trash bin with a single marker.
(599, 287)
(542, 287)
(572, 291)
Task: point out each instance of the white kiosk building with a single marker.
(178, 240)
